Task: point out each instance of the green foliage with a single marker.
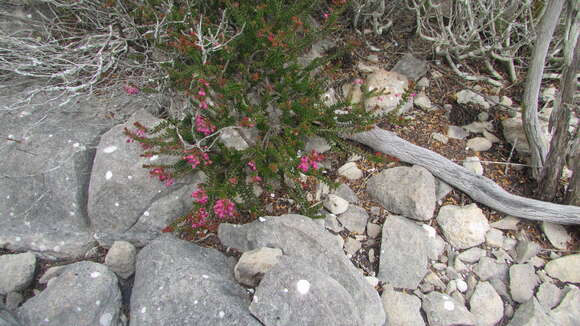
(238, 64)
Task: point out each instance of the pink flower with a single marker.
(224, 208)
(203, 126)
(200, 196)
(169, 182)
(252, 165)
(131, 90)
(326, 15)
(203, 105)
(201, 92)
(256, 178)
(203, 82)
(310, 161)
(304, 164)
(358, 81)
(413, 94)
(193, 160)
(202, 215)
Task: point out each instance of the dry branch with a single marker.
(479, 188)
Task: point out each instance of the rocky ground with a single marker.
(80, 223)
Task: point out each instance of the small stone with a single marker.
(351, 171)
(526, 249)
(567, 313)
(322, 189)
(51, 273)
(411, 67)
(556, 234)
(16, 271)
(13, 300)
(443, 310)
(401, 308)
(423, 83)
(491, 137)
(373, 58)
(373, 230)
(509, 244)
(439, 266)
(479, 144)
(494, 238)
(531, 313)
(471, 255)
(318, 144)
(355, 219)
(372, 257)
(345, 192)
(332, 223)
(121, 258)
(352, 246)
(456, 132)
(463, 226)
(363, 67)
(478, 127)
(523, 281)
(486, 305)
(504, 100)
(565, 269)
(549, 295)
(440, 137)
(253, 264)
(483, 116)
(423, 102)
(473, 164)
(468, 97)
(443, 189)
(507, 223)
(461, 285)
(489, 268)
(434, 279)
(335, 204)
(502, 256)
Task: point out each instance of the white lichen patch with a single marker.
(95, 274)
(108, 175)
(448, 305)
(261, 219)
(154, 158)
(116, 204)
(222, 314)
(146, 213)
(143, 310)
(205, 276)
(106, 319)
(109, 149)
(303, 286)
(431, 233)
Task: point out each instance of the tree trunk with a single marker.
(479, 188)
(545, 30)
(559, 146)
(573, 191)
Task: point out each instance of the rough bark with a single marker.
(532, 129)
(552, 170)
(573, 191)
(479, 188)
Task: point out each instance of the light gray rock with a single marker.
(565, 269)
(434, 243)
(345, 192)
(7, 318)
(442, 310)
(16, 271)
(463, 226)
(423, 102)
(443, 189)
(504, 100)
(473, 164)
(488, 268)
(531, 313)
(549, 295)
(334, 204)
(469, 97)
(393, 86)
(295, 292)
(526, 249)
(411, 67)
(332, 223)
(352, 246)
(354, 219)
(494, 238)
(423, 83)
(373, 281)
(502, 256)
(121, 259)
(125, 203)
(439, 137)
(254, 264)
(479, 144)
(180, 283)
(402, 309)
(297, 236)
(373, 230)
(507, 223)
(318, 144)
(403, 258)
(556, 234)
(523, 281)
(13, 300)
(513, 132)
(406, 191)
(491, 137)
(239, 138)
(483, 116)
(51, 273)
(433, 279)
(456, 132)
(350, 171)
(486, 305)
(471, 255)
(567, 313)
(85, 293)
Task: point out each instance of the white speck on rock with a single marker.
(154, 158)
(116, 204)
(430, 231)
(146, 213)
(56, 249)
(195, 302)
(109, 149)
(205, 276)
(18, 239)
(108, 175)
(71, 213)
(50, 136)
(95, 274)
(76, 145)
(261, 219)
(98, 302)
(461, 285)
(285, 290)
(129, 177)
(79, 309)
(448, 305)
(143, 310)
(303, 286)
(106, 319)
(222, 314)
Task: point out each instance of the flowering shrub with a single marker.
(238, 64)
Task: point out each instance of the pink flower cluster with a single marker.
(201, 94)
(195, 159)
(163, 176)
(199, 196)
(138, 133)
(131, 90)
(310, 161)
(203, 126)
(202, 216)
(252, 165)
(224, 208)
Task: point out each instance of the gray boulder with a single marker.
(121, 259)
(463, 226)
(406, 191)
(443, 310)
(297, 293)
(531, 313)
(402, 309)
(7, 318)
(125, 202)
(404, 253)
(523, 281)
(549, 295)
(86, 293)
(179, 283)
(411, 67)
(556, 234)
(567, 313)
(565, 269)
(354, 219)
(486, 305)
(16, 272)
(299, 236)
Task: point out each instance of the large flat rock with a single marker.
(299, 236)
(179, 283)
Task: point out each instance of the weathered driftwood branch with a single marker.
(479, 188)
